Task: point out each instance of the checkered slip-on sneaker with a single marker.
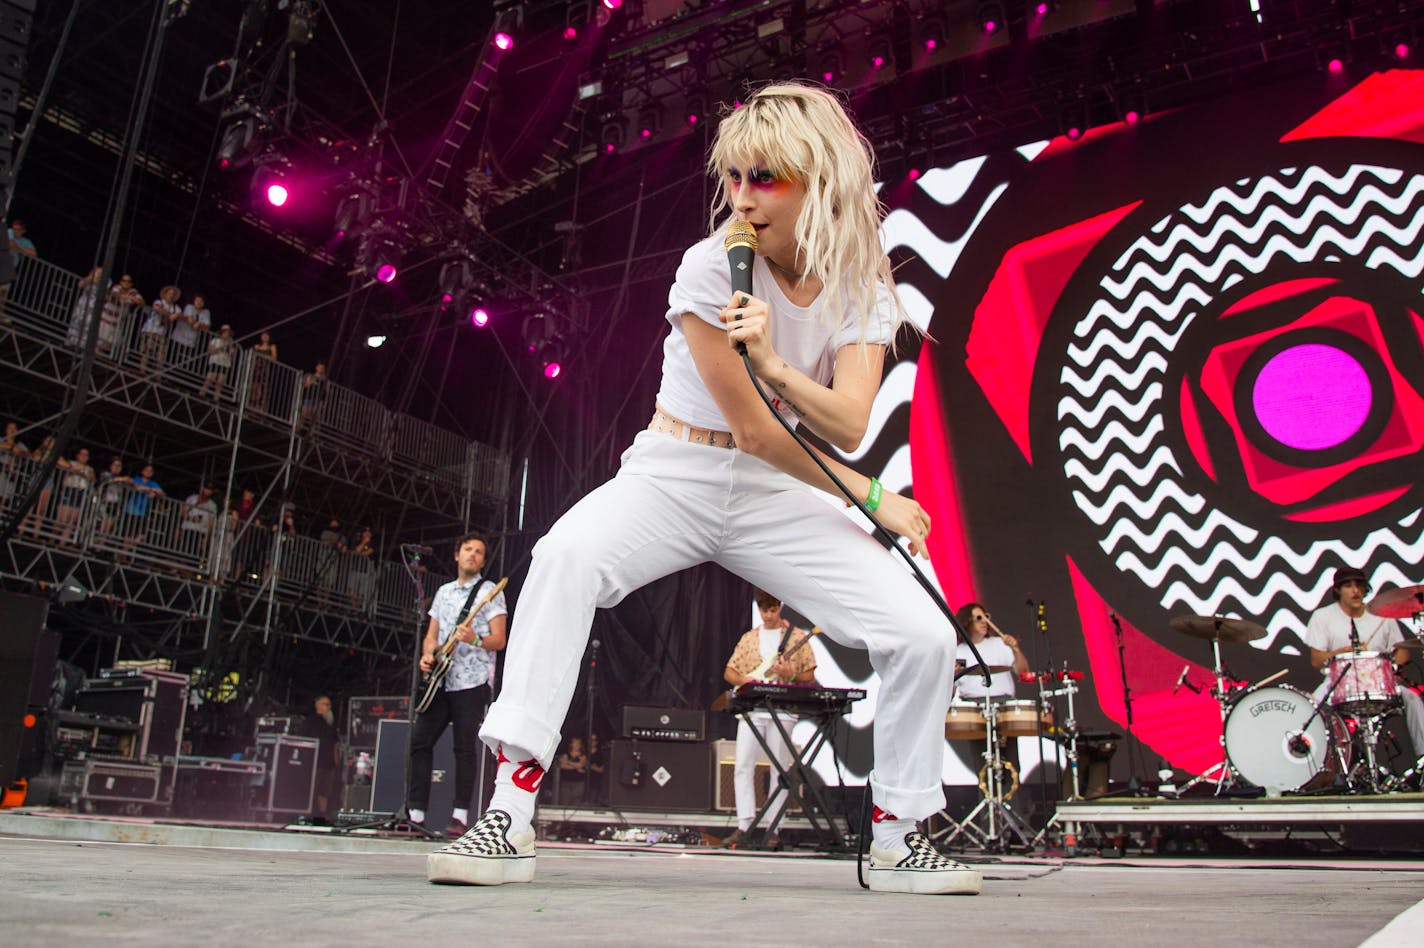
(489, 854)
(920, 869)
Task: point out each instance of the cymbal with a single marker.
(1398, 603)
(975, 669)
(1218, 627)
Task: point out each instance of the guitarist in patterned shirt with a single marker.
(780, 648)
(466, 692)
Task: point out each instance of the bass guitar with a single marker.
(759, 673)
(445, 657)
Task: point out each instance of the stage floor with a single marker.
(66, 890)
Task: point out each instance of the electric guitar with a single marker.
(759, 673)
(445, 657)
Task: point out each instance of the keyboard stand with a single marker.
(797, 774)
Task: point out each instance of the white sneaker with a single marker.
(489, 854)
(920, 869)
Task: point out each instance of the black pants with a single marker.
(465, 709)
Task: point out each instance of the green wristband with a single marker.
(872, 501)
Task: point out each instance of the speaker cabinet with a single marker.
(726, 795)
(291, 772)
(27, 657)
(660, 775)
(388, 777)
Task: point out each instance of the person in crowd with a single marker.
(716, 478)
(329, 560)
(11, 473)
(361, 554)
(83, 308)
(313, 397)
(326, 790)
(573, 772)
(153, 331)
(200, 512)
(265, 353)
(781, 647)
(76, 480)
(465, 693)
(138, 506)
(597, 766)
(31, 523)
(189, 338)
(245, 524)
(20, 245)
(113, 485)
(222, 349)
(122, 301)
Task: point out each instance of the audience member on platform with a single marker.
(138, 506)
(31, 523)
(75, 481)
(19, 244)
(313, 397)
(83, 308)
(157, 322)
(199, 516)
(112, 487)
(266, 354)
(121, 300)
(222, 349)
(189, 336)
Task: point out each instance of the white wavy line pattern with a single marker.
(1199, 557)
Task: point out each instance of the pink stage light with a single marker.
(1336, 64)
(446, 298)
(646, 133)
(1132, 117)
(552, 370)
(503, 40)
(1074, 133)
(1041, 9)
(828, 76)
(990, 26)
(692, 118)
(609, 148)
(931, 44)
(1401, 50)
(386, 273)
(877, 62)
(479, 317)
(570, 33)
(914, 174)
(613, 4)
(277, 195)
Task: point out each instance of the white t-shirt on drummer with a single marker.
(1329, 629)
(799, 334)
(995, 652)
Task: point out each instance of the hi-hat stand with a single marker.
(1002, 826)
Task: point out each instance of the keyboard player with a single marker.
(773, 651)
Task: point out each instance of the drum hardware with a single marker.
(1069, 687)
(1000, 820)
(1216, 629)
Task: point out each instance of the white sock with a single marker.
(889, 830)
(417, 816)
(744, 825)
(460, 815)
(516, 786)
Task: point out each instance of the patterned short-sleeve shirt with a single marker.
(749, 653)
(471, 666)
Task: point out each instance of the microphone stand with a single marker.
(592, 691)
(1042, 625)
(1134, 754)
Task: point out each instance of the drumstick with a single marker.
(1266, 681)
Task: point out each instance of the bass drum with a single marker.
(1275, 739)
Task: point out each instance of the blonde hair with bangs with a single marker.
(802, 133)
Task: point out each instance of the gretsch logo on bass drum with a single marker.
(1273, 705)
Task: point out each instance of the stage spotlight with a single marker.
(552, 370)
(1073, 120)
(352, 212)
(696, 108)
(270, 182)
(650, 122)
(990, 15)
(881, 54)
(240, 143)
(381, 257)
(508, 23)
(479, 317)
(553, 357)
(932, 33)
(611, 135)
(375, 342)
(613, 4)
(1132, 106)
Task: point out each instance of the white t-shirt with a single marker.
(1329, 629)
(798, 333)
(995, 652)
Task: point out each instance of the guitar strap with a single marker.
(469, 601)
(785, 639)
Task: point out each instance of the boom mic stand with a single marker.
(1134, 751)
(588, 782)
(401, 815)
(1040, 623)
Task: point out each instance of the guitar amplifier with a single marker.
(664, 724)
(366, 712)
(290, 764)
(660, 775)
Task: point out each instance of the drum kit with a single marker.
(1283, 740)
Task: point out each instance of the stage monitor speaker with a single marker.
(28, 652)
(388, 775)
(660, 775)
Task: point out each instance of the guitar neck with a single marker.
(453, 642)
(760, 670)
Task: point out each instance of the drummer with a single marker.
(999, 651)
(1329, 634)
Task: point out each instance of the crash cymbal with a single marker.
(1398, 603)
(1218, 627)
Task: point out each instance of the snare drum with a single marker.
(965, 722)
(1363, 682)
(1018, 718)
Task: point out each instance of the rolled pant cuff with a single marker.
(907, 804)
(516, 727)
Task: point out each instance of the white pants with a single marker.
(1413, 712)
(749, 751)
(675, 504)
